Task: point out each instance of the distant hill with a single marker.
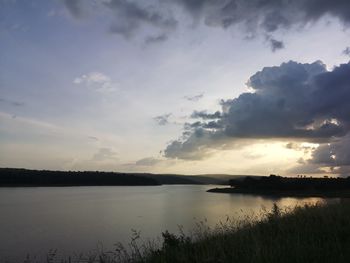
(172, 179)
(224, 178)
(186, 179)
(26, 177)
(218, 179)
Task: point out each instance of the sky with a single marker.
(176, 86)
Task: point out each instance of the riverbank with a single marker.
(317, 230)
(307, 234)
(16, 177)
(318, 233)
(278, 186)
(285, 193)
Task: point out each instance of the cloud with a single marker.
(195, 97)
(346, 51)
(305, 168)
(255, 16)
(162, 119)
(195, 144)
(276, 45)
(335, 153)
(149, 161)
(74, 7)
(29, 123)
(104, 154)
(290, 145)
(11, 102)
(97, 81)
(130, 16)
(305, 147)
(253, 156)
(51, 13)
(266, 15)
(205, 115)
(292, 101)
(156, 39)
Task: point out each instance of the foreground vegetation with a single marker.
(319, 233)
(308, 234)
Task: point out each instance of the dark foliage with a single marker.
(307, 234)
(173, 179)
(313, 234)
(24, 177)
(300, 183)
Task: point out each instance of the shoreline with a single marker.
(314, 233)
(281, 193)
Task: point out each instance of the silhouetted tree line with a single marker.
(279, 183)
(24, 177)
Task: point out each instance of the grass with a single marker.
(318, 233)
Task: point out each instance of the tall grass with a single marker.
(317, 233)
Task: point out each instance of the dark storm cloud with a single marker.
(276, 45)
(264, 16)
(335, 153)
(156, 39)
(131, 16)
(162, 119)
(205, 115)
(74, 7)
(334, 156)
(268, 15)
(293, 100)
(196, 146)
(346, 51)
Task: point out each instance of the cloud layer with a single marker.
(268, 15)
(255, 16)
(291, 101)
(162, 119)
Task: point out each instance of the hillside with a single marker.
(26, 177)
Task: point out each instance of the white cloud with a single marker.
(105, 154)
(96, 80)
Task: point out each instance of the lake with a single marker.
(79, 219)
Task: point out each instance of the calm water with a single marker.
(76, 219)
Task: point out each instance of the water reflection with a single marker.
(75, 219)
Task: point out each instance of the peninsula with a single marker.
(279, 186)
